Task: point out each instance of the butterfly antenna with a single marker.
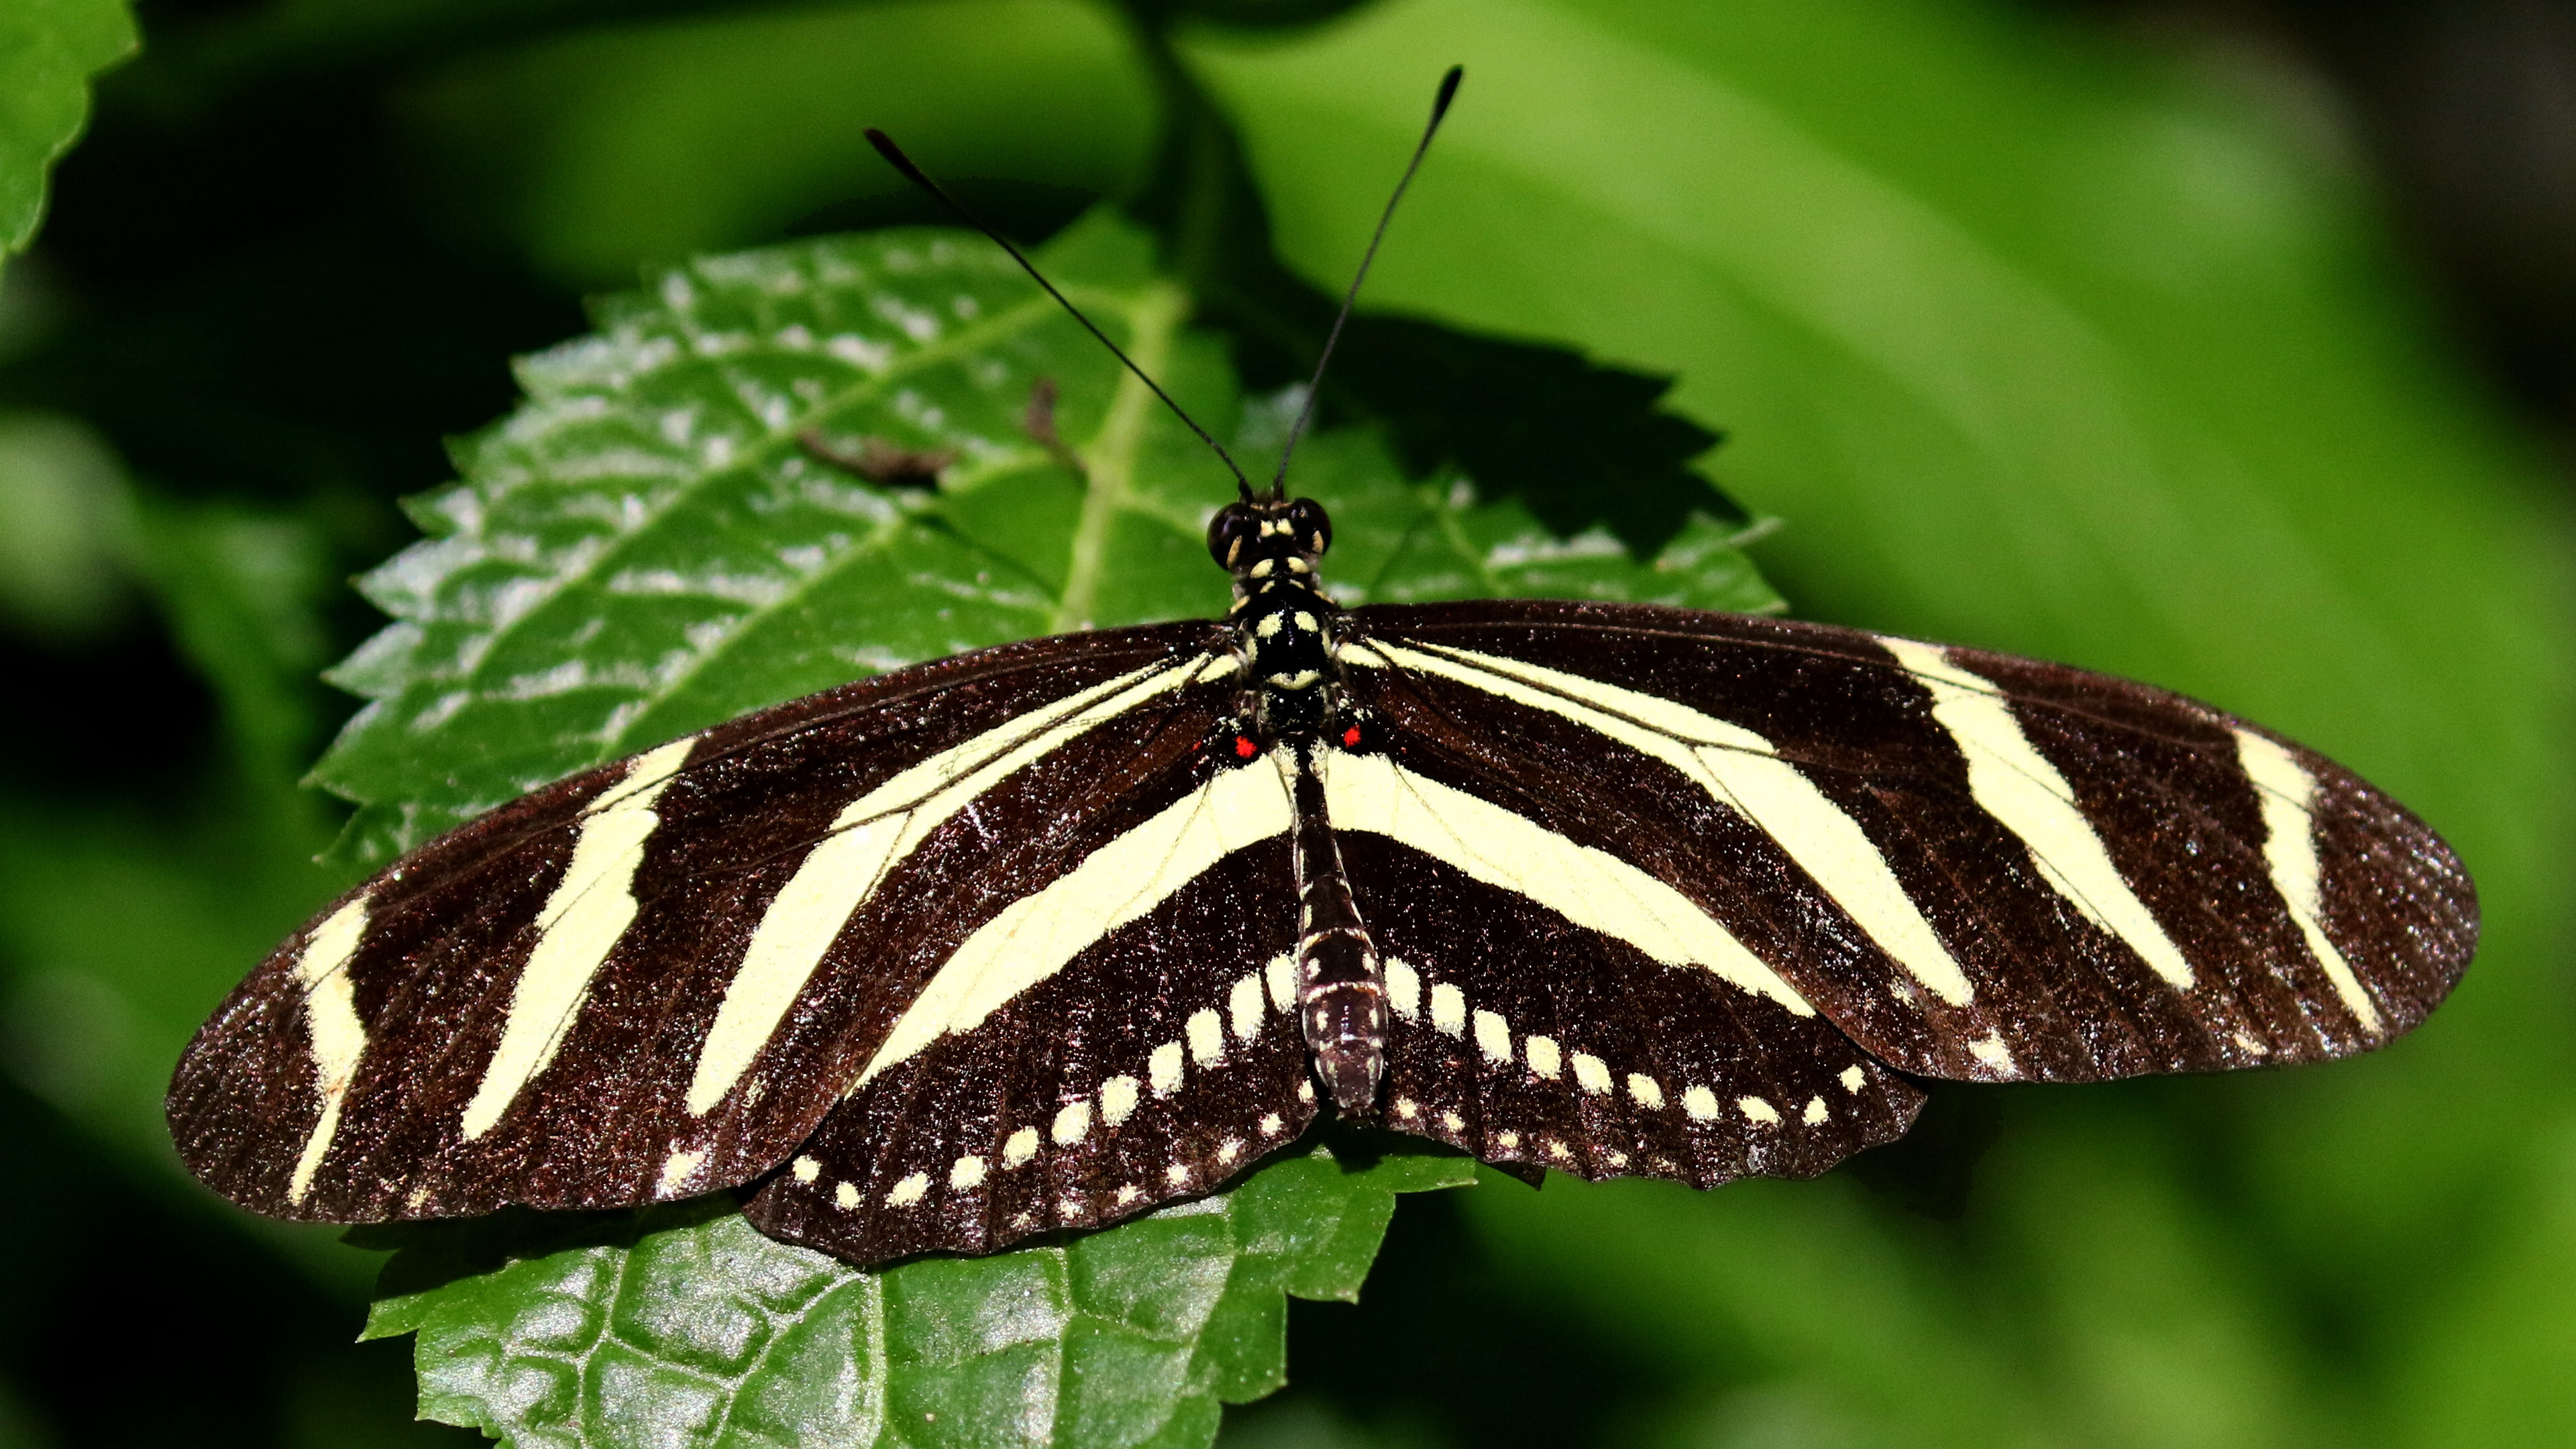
(894, 157)
(1314, 389)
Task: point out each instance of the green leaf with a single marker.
(243, 592)
(651, 545)
(49, 50)
(646, 548)
(1578, 442)
(684, 1325)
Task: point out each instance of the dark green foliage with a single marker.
(1579, 444)
(2030, 338)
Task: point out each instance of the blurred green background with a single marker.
(2230, 346)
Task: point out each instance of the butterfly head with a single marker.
(1267, 543)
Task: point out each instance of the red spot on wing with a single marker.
(1351, 738)
(1244, 747)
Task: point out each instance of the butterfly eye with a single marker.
(1227, 533)
(1312, 527)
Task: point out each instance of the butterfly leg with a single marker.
(1341, 984)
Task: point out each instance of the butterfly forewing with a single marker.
(1977, 866)
(2204, 811)
(656, 978)
(1011, 943)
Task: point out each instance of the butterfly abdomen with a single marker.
(1341, 982)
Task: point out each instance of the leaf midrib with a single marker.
(1109, 486)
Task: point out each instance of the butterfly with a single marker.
(1044, 936)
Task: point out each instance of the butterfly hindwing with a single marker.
(2028, 871)
(655, 978)
(1160, 1062)
(1522, 1036)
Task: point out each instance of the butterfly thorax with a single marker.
(1294, 711)
(1284, 626)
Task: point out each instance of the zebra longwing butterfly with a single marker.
(1043, 936)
